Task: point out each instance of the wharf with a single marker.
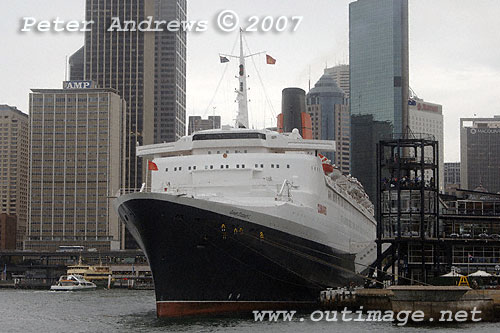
(130, 276)
(367, 299)
(432, 300)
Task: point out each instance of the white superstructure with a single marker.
(267, 178)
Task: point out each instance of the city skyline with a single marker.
(452, 56)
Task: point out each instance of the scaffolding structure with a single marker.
(408, 209)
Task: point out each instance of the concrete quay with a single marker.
(444, 303)
(437, 303)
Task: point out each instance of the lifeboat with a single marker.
(325, 162)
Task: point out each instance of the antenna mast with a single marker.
(242, 98)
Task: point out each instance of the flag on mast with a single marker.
(270, 60)
(223, 59)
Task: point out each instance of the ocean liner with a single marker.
(247, 219)
(240, 220)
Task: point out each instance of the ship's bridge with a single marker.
(236, 140)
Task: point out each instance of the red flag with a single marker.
(152, 166)
(270, 60)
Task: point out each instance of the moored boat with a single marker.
(99, 274)
(73, 282)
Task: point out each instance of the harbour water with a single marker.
(134, 311)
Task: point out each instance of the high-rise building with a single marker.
(14, 166)
(340, 74)
(378, 73)
(427, 118)
(147, 68)
(365, 132)
(480, 153)
(8, 232)
(124, 61)
(451, 177)
(76, 65)
(196, 123)
(330, 119)
(170, 74)
(76, 164)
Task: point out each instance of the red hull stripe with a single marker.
(181, 309)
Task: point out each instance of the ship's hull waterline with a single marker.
(205, 262)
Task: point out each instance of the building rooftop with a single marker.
(5, 108)
(327, 84)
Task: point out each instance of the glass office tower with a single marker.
(378, 65)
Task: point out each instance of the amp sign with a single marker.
(77, 85)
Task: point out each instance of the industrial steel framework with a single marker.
(407, 209)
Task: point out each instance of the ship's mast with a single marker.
(242, 98)
(241, 91)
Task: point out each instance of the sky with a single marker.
(454, 55)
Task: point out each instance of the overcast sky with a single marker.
(454, 55)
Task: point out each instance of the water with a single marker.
(134, 311)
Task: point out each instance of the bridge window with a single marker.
(256, 165)
(194, 167)
(272, 166)
(288, 166)
(166, 169)
(243, 166)
(175, 169)
(222, 166)
(180, 168)
(262, 166)
(224, 136)
(277, 166)
(237, 166)
(189, 167)
(211, 167)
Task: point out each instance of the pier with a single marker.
(437, 303)
(431, 248)
(41, 269)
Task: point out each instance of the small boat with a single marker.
(73, 282)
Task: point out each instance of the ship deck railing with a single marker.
(124, 190)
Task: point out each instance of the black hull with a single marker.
(201, 257)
